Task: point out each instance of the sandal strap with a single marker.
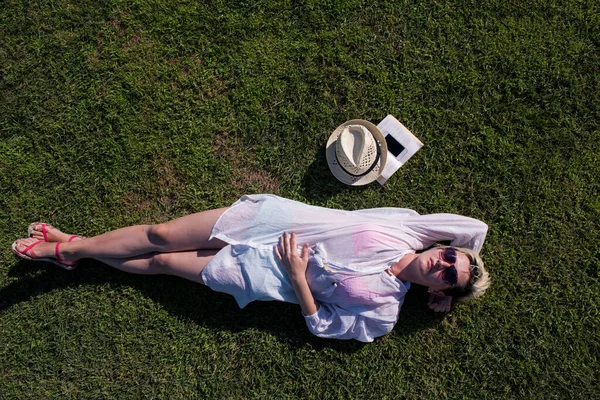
(56, 251)
(59, 258)
(45, 232)
(31, 246)
(74, 237)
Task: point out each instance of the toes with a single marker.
(21, 244)
(37, 236)
(45, 232)
(39, 227)
(34, 226)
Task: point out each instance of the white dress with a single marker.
(350, 253)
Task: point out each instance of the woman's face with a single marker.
(433, 269)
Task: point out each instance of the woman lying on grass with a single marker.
(350, 278)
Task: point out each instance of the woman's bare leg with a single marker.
(191, 232)
(187, 265)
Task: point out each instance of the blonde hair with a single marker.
(479, 279)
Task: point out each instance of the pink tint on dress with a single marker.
(368, 238)
(356, 290)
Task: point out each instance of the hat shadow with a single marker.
(190, 301)
(320, 185)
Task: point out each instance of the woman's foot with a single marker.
(38, 250)
(48, 233)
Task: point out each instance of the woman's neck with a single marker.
(400, 266)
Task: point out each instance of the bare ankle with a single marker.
(67, 253)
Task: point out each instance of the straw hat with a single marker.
(356, 152)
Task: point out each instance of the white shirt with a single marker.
(350, 252)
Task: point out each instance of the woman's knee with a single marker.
(159, 234)
(160, 263)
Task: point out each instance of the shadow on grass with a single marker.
(191, 301)
(319, 184)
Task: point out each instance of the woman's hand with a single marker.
(287, 252)
(438, 301)
(295, 265)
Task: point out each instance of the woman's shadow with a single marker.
(190, 301)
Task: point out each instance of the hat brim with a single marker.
(339, 172)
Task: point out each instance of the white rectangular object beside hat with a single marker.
(401, 145)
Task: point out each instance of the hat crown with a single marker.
(356, 152)
(356, 149)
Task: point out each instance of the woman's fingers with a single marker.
(287, 247)
(439, 303)
(279, 250)
(276, 248)
(293, 242)
(289, 244)
(305, 252)
(286, 244)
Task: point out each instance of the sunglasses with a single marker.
(450, 274)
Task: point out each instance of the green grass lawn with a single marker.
(116, 113)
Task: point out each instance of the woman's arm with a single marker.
(459, 230)
(295, 265)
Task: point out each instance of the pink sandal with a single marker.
(29, 254)
(45, 231)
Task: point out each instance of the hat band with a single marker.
(368, 170)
